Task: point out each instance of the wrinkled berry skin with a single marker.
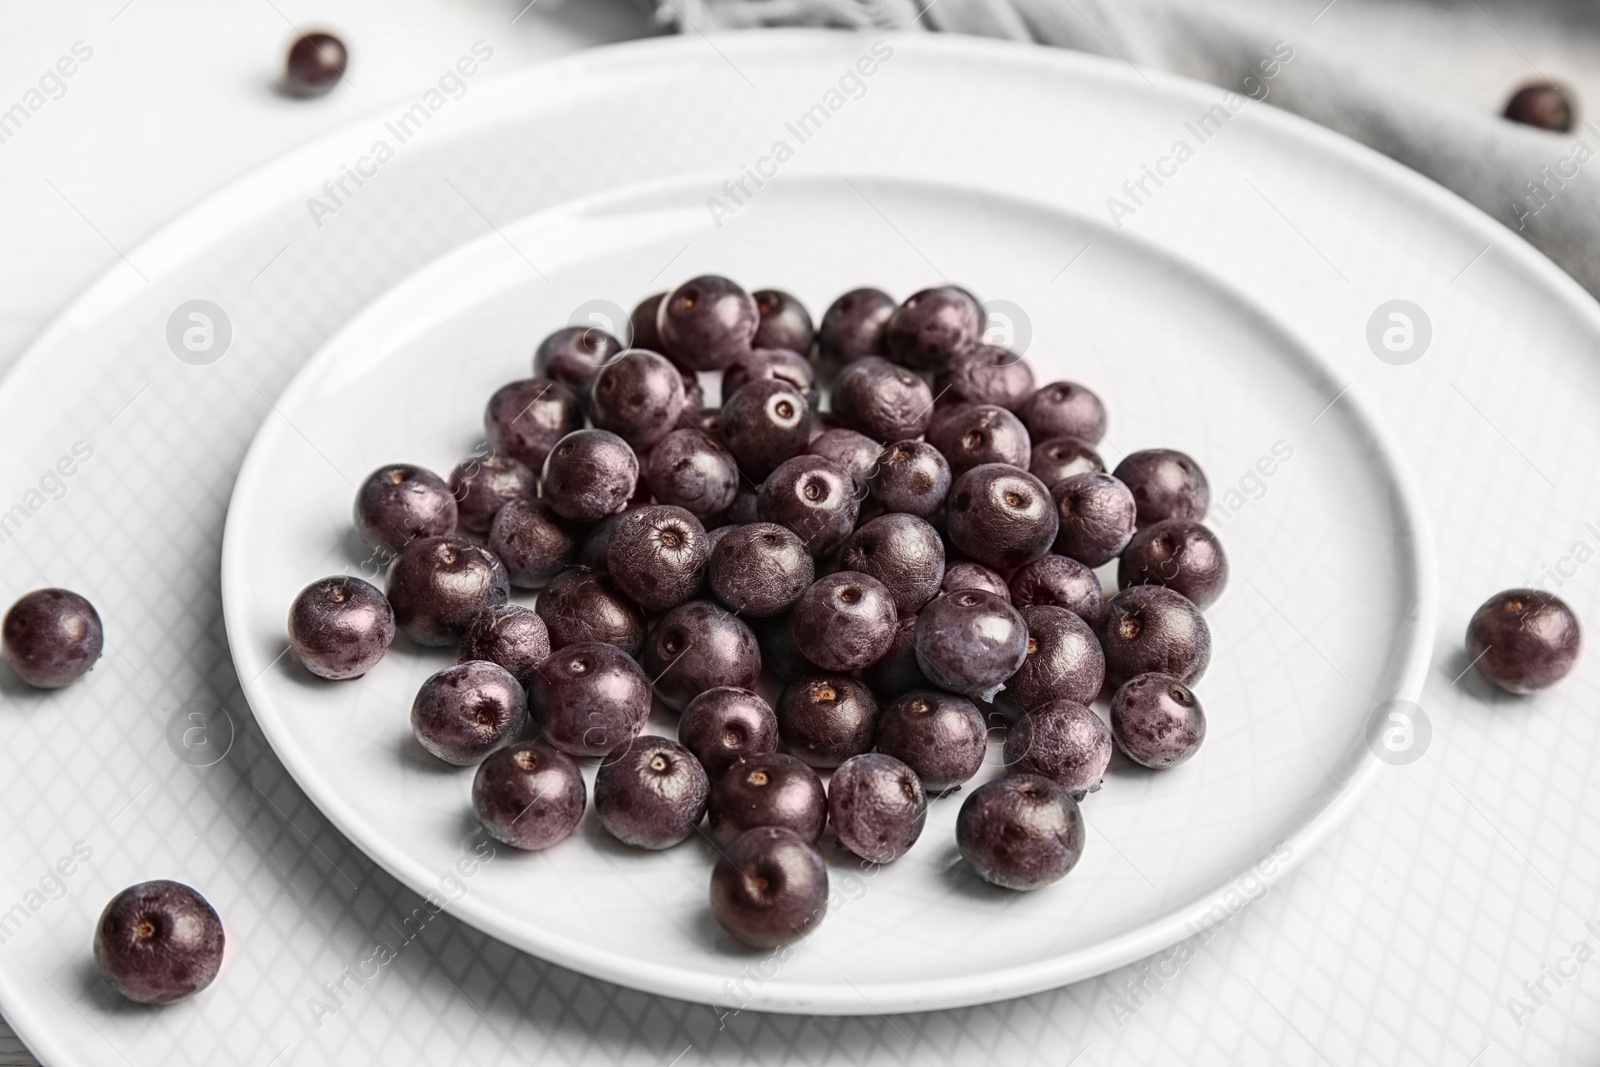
(1064, 409)
(588, 475)
(1061, 581)
(54, 636)
(1061, 740)
(769, 887)
(699, 646)
(970, 642)
(979, 434)
(652, 794)
(940, 736)
(901, 551)
(775, 790)
(525, 419)
(760, 569)
(776, 364)
(1151, 628)
(853, 326)
(642, 323)
(882, 400)
(510, 635)
(529, 795)
(581, 605)
(1064, 660)
(532, 541)
(589, 699)
(986, 374)
(707, 322)
(436, 586)
(1020, 832)
(484, 485)
(1166, 484)
(639, 397)
(824, 719)
(1061, 458)
(964, 574)
(877, 807)
(765, 423)
(339, 628)
(1157, 722)
(721, 726)
(932, 327)
(855, 452)
(573, 355)
(686, 469)
(157, 942)
(1524, 640)
(815, 498)
(1000, 516)
(1180, 554)
(844, 621)
(400, 503)
(897, 670)
(657, 556)
(1095, 517)
(911, 477)
(785, 322)
(468, 710)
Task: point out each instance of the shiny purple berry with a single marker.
(339, 627)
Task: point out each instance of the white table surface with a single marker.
(178, 99)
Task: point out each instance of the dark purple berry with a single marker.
(581, 605)
(657, 556)
(901, 551)
(760, 569)
(980, 434)
(589, 474)
(1063, 457)
(589, 699)
(400, 503)
(642, 323)
(687, 469)
(785, 323)
(1166, 484)
(724, 725)
(482, 485)
(815, 498)
(510, 635)
(824, 719)
(1180, 554)
(1157, 721)
(339, 627)
(1095, 517)
(844, 621)
(1020, 832)
(1522, 640)
(1151, 628)
(1542, 104)
(316, 63)
(764, 424)
(970, 642)
(699, 646)
(897, 670)
(769, 887)
(707, 322)
(1061, 581)
(1064, 660)
(940, 736)
(436, 586)
(651, 794)
(158, 942)
(882, 400)
(638, 396)
(877, 806)
(853, 326)
(1063, 741)
(1000, 516)
(771, 364)
(911, 477)
(774, 790)
(987, 374)
(468, 710)
(525, 419)
(1064, 409)
(573, 355)
(54, 636)
(533, 542)
(964, 574)
(855, 452)
(745, 507)
(529, 795)
(932, 327)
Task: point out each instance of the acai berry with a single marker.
(970, 642)
(877, 806)
(769, 887)
(824, 719)
(436, 586)
(1020, 832)
(721, 726)
(1524, 640)
(651, 794)
(940, 736)
(339, 627)
(466, 711)
(157, 942)
(1157, 721)
(775, 790)
(529, 795)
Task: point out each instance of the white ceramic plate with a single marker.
(1302, 657)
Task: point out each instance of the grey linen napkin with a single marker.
(1535, 182)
